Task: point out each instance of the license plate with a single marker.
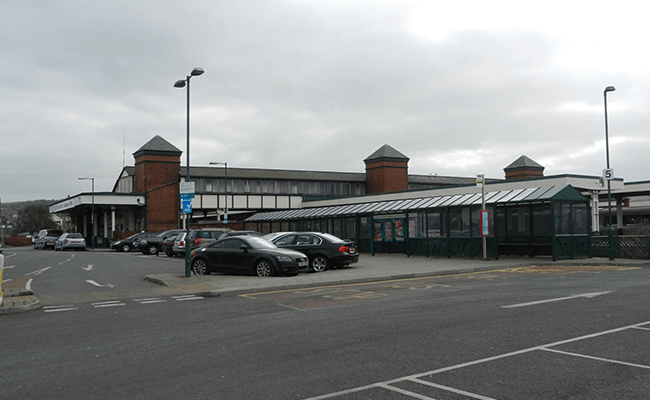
(303, 263)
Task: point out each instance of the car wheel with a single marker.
(319, 264)
(199, 267)
(264, 268)
(169, 254)
(152, 249)
(126, 248)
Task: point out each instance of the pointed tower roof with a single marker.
(158, 146)
(386, 153)
(523, 162)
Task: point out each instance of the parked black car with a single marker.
(167, 246)
(132, 241)
(323, 249)
(152, 245)
(247, 254)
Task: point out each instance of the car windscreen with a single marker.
(259, 243)
(74, 235)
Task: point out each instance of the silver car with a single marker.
(74, 241)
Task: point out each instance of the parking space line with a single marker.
(450, 389)
(415, 377)
(597, 358)
(406, 392)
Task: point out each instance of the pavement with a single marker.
(377, 268)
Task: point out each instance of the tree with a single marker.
(33, 218)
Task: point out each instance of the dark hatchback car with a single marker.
(247, 255)
(167, 246)
(132, 241)
(323, 249)
(153, 245)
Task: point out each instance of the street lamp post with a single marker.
(610, 231)
(225, 164)
(92, 212)
(180, 84)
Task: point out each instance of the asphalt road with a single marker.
(526, 333)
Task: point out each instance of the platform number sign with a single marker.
(608, 174)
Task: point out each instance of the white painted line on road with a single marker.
(150, 301)
(480, 361)
(68, 307)
(28, 286)
(450, 389)
(533, 303)
(68, 260)
(406, 392)
(642, 328)
(113, 303)
(38, 272)
(186, 297)
(89, 267)
(94, 283)
(597, 358)
(8, 266)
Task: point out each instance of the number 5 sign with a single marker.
(608, 174)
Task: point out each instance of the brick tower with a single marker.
(386, 171)
(157, 169)
(523, 168)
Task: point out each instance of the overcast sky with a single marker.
(460, 87)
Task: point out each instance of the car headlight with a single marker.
(283, 258)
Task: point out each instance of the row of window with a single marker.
(271, 186)
(519, 221)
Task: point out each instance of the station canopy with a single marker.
(513, 196)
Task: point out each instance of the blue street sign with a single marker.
(187, 195)
(187, 206)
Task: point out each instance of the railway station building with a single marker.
(383, 209)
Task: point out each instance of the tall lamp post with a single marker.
(609, 175)
(180, 84)
(92, 212)
(225, 164)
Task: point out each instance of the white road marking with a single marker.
(416, 377)
(113, 303)
(38, 272)
(533, 303)
(28, 286)
(597, 358)
(89, 267)
(150, 301)
(186, 297)
(94, 283)
(59, 308)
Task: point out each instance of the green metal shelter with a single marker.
(536, 221)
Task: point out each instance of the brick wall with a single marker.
(386, 176)
(157, 176)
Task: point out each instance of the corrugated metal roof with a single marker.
(498, 197)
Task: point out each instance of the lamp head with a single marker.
(610, 88)
(180, 83)
(197, 71)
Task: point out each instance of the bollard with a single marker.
(2, 267)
